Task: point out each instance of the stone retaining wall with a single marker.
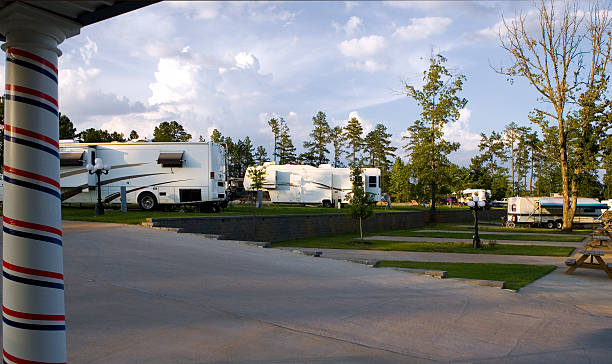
(288, 227)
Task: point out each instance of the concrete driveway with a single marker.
(137, 295)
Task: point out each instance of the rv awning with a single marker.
(71, 159)
(170, 159)
(553, 205)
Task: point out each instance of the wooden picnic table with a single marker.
(596, 261)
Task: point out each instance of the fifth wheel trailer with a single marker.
(153, 173)
(304, 184)
(548, 211)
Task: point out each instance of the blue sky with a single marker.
(234, 65)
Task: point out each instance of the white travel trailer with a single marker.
(548, 211)
(153, 173)
(326, 185)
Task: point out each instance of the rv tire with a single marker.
(327, 203)
(550, 224)
(559, 224)
(147, 201)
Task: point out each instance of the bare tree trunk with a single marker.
(568, 212)
(360, 230)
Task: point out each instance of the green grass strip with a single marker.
(468, 235)
(516, 276)
(347, 241)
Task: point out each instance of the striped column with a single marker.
(33, 321)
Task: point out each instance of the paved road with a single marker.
(352, 254)
(137, 295)
(484, 241)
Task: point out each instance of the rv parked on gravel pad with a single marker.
(548, 211)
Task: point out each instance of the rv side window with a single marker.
(513, 207)
(372, 181)
(589, 210)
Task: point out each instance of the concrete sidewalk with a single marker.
(350, 254)
(501, 233)
(469, 241)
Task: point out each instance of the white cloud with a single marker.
(88, 50)
(422, 28)
(352, 25)
(362, 47)
(368, 65)
(246, 60)
(459, 131)
(174, 81)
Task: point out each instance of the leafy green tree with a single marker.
(134, 135)
(276, 126)
(261, 156)
(66, 129)
(316, 148)
(216, 137)
(564, 61)
(492, 158)
(400, 189)
(607, 167)
(378, 145)
(337, 142)
(170, 132)
(93, 135)
(286, 150)
(257, 174)
(352, 135)
(117, 137)
(362, 203)
(440, 105)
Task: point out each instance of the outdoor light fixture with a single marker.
(476, 205)
(98, 168)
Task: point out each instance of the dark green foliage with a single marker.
(66, 129)
(134, 135)
(440, 105)
(216, 137)
(239, 156)
(170, 132)
(275, 125)
(316, 147)
(286, 150)
(261, 156)
(378, 146)
(352, 135)
(362, 203)
(92, 135)
(337, 141)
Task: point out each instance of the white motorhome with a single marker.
(548, 211)
(468, 194)
(326, 185)
(153, 173)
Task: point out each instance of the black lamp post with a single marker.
(476, 205)
(98, 168)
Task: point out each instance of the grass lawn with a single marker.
(515, 275)
(498, 228)
(346, 241)
(468, 235)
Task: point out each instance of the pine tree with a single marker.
(352, 135)
(66, 128)
(316, 148)
(440, 104)
(261, 156)
(276, 125)
(216, 137)
(378, 144)
(286, 150)
(338, 144)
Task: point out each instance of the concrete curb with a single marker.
(440, 274)
(481, 282)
